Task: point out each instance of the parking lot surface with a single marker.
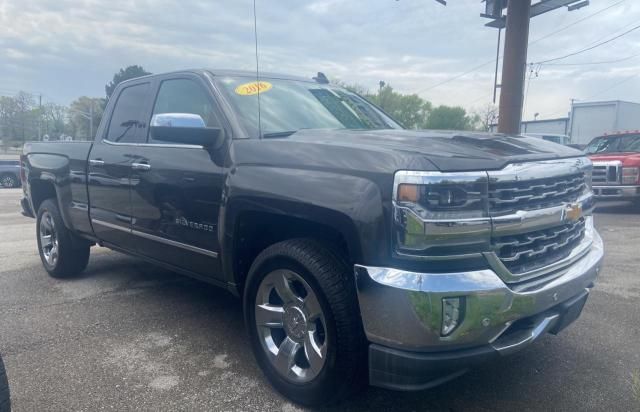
(129, 336)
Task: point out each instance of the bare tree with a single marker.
(488, 116)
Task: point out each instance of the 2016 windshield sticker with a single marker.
(249, 89)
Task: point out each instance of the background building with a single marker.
(587, 120)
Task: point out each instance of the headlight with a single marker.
(630, 175)
(441, 214)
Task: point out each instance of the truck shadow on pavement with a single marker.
(204, 315)
(623, 208)
(182, 343)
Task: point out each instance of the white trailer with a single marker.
(589, 120)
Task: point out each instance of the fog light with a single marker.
(452, 314)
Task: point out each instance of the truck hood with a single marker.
(448, 151)
(630, 158)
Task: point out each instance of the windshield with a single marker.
(617, 144)
(287, 106)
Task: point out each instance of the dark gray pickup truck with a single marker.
(360, 250)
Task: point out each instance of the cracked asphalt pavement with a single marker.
(129, 336)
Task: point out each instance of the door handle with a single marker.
(96, 162)
(141, 166)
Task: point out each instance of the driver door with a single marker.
(177, 188)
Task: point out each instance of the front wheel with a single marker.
(303, 320)
(63, 254)
(5, 401)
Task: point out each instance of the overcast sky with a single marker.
(67, 48)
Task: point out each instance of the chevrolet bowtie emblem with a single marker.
(572, 212)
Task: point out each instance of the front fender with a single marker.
(351, 205)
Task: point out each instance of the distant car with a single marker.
(562, 139)
(5, 402)
(10, 173)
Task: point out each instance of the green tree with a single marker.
(410, 110)
(129, 72)
(18, 117)
(79, 121)
(451, 118)
(54, 118)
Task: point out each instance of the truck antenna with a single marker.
(255, 32)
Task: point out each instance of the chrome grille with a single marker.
(529, 251)
(606, 172)
(506, 197)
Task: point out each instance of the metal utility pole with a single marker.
(39, 117)
(514, 66)
(495, 78)
(90, 120)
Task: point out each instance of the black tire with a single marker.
(331, 280)
(5, 401)
(8, 180)
(72, 252)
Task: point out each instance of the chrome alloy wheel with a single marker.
(48, 239)
(291, 326)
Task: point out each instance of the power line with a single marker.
(576, 22)
(594, 63)
(531, 43)
(532, 70)
(590, 48)
(614, 86)
(457, 76)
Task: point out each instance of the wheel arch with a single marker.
(48, 177)
(263, 205)
(255, 230)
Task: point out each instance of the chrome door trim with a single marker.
(141, 166)
(110, 225)
(165, 145)
(157, 238)
(174, 243)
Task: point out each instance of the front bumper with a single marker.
(402, 317)
(616, 192)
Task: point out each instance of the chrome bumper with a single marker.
(616, 192)
(403, 310)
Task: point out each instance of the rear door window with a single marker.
(127, 123)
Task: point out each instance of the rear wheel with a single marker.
(63, 254)
(8, 180)
(303, 321)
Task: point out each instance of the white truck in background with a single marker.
(586, 121)
(593, 119)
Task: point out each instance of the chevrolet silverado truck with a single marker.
(362, 251)
(616, 166)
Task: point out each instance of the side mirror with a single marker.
(184, 128)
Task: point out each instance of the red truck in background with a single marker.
(616, 165)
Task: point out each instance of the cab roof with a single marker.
(234, 73)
